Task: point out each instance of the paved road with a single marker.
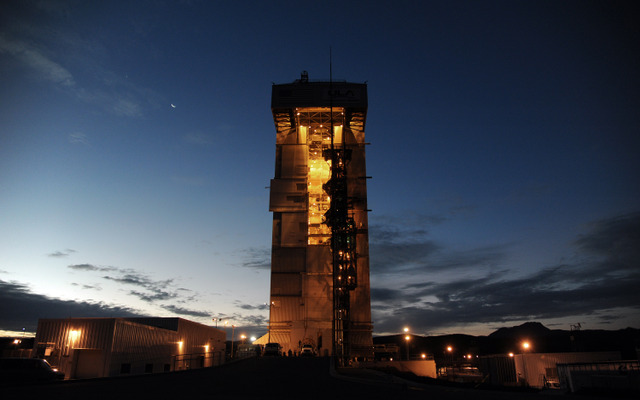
(257, 378)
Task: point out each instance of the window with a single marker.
(148, 369)
(125, 368)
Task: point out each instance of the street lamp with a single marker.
(407, 338)
(450, 353)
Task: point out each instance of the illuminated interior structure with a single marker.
(320, 292)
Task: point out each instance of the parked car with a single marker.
(307, 351)
(272, 349)
(27, 370)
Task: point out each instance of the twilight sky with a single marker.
(136, 142)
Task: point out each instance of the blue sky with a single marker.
(136, 142)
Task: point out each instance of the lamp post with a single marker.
(526, 346)
(407, 338)
(233, 329)
(271, 304)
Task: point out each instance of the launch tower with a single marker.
(320, 292)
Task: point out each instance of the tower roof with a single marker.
(305, 93)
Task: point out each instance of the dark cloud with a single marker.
(386, 295)
(603, 284)
(19, 308)
(257, 258)
(408, 255)
(398, 257)
(402, 245)
(90, 267)
(61, 254)
(259, 321)
(156, 289)
(615, 239)
(405, 221)
(251, 306)
(393, 234)
(185, 311)
(156, 295)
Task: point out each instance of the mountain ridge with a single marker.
(510, 339)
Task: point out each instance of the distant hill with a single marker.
(505, 340)
(527, 329)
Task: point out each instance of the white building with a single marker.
(101, 347)
(536, 370)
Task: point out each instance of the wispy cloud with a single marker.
(185, 311)
(156, 289)
(78, 138)
(245, 306)
(52, 55)
(155, 295)
(87, 287)
(36, 60)
(90, 267)
(126, 107)
(258, 258)
(61, 253)
(199, 138)
(148, 289)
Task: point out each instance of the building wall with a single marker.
(611, 377)
(98, 347)
(58, 341)
(500, 370)
(301, 309)
(426, 368)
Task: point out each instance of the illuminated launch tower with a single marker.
(320, 292)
